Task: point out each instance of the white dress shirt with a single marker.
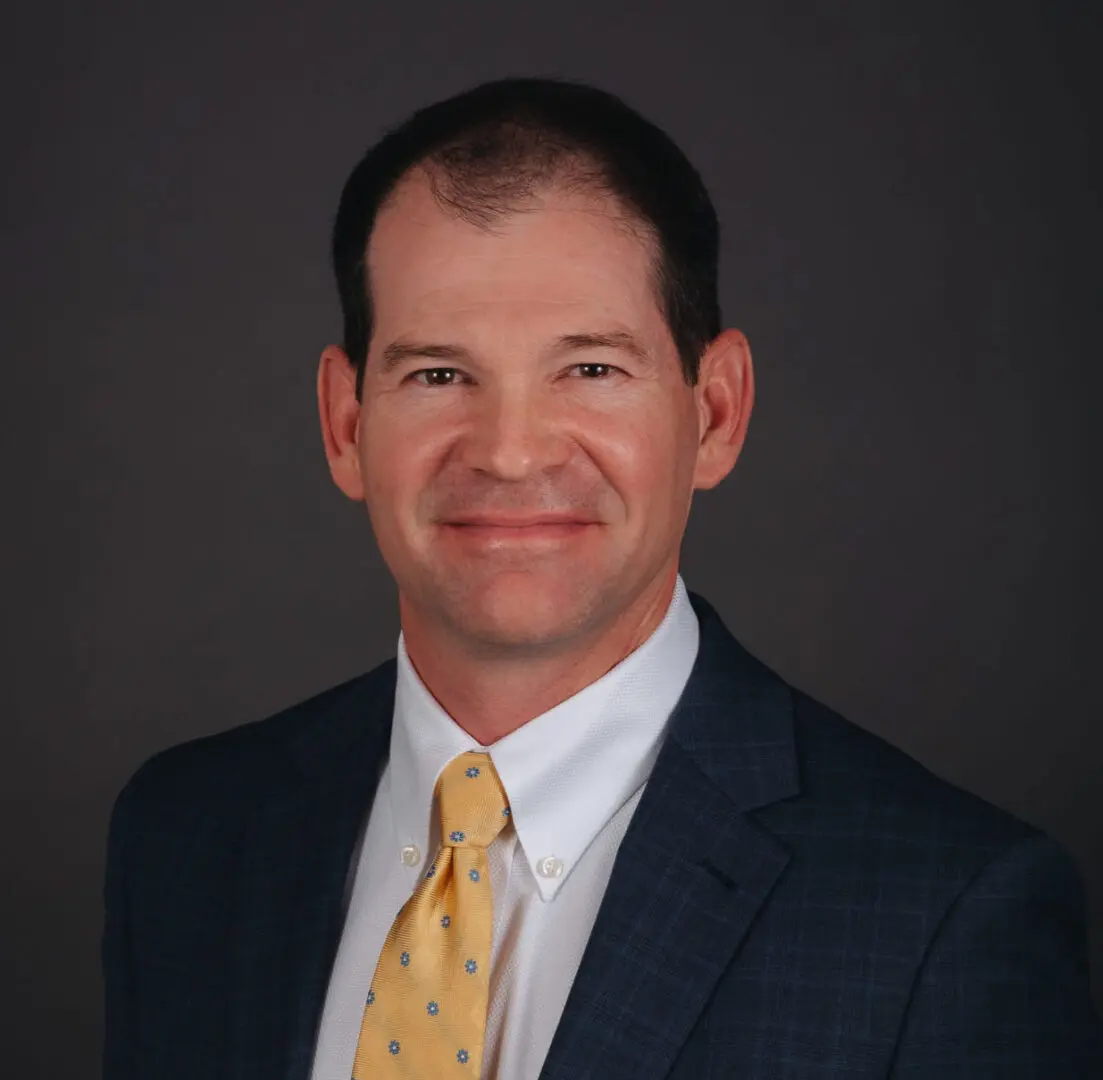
(573, 776)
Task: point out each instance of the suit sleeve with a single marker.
(118, 969)
(1004, 989)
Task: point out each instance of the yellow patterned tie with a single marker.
(425, 1016)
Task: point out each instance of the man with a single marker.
(574, 829)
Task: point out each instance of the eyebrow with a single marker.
(401, 350)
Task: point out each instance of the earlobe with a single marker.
(339, 412)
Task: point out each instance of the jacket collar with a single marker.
(691, 874)
(735, 719)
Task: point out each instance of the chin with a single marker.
(522, 609)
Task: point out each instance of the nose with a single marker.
(514, 434)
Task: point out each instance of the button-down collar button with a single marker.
(410, 855)
(549, 866)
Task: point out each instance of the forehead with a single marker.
(571, 253)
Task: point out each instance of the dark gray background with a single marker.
(912, 226)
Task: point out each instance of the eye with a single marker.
(596, 372)
(430, 373)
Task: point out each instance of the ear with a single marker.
(339, 412)
(725, 397)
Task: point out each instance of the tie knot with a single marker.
(473, 805)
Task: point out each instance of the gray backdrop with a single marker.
(912, 223)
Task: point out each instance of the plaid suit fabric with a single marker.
(793, 899)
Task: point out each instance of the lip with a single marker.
(545, 531)
(516, 523)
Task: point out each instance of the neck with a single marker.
(489, 698)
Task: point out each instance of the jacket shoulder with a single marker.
(208, 776)
(853, 774)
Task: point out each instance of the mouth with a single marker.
(547, 530)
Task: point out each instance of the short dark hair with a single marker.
(490, 149)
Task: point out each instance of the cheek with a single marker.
(388, 464)
(641, 458)
(657, 457)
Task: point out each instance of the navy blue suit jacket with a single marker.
(793, 899)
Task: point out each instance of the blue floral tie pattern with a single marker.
(425, 1015)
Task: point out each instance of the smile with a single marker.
(542, 532)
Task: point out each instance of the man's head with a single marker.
(528, 280)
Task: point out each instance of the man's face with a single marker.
(489, 393)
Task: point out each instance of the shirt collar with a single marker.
(567, 771)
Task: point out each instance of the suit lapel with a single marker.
(691, 873)
(294, 871)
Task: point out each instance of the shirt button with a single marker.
(410, 855)
(549, 866)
